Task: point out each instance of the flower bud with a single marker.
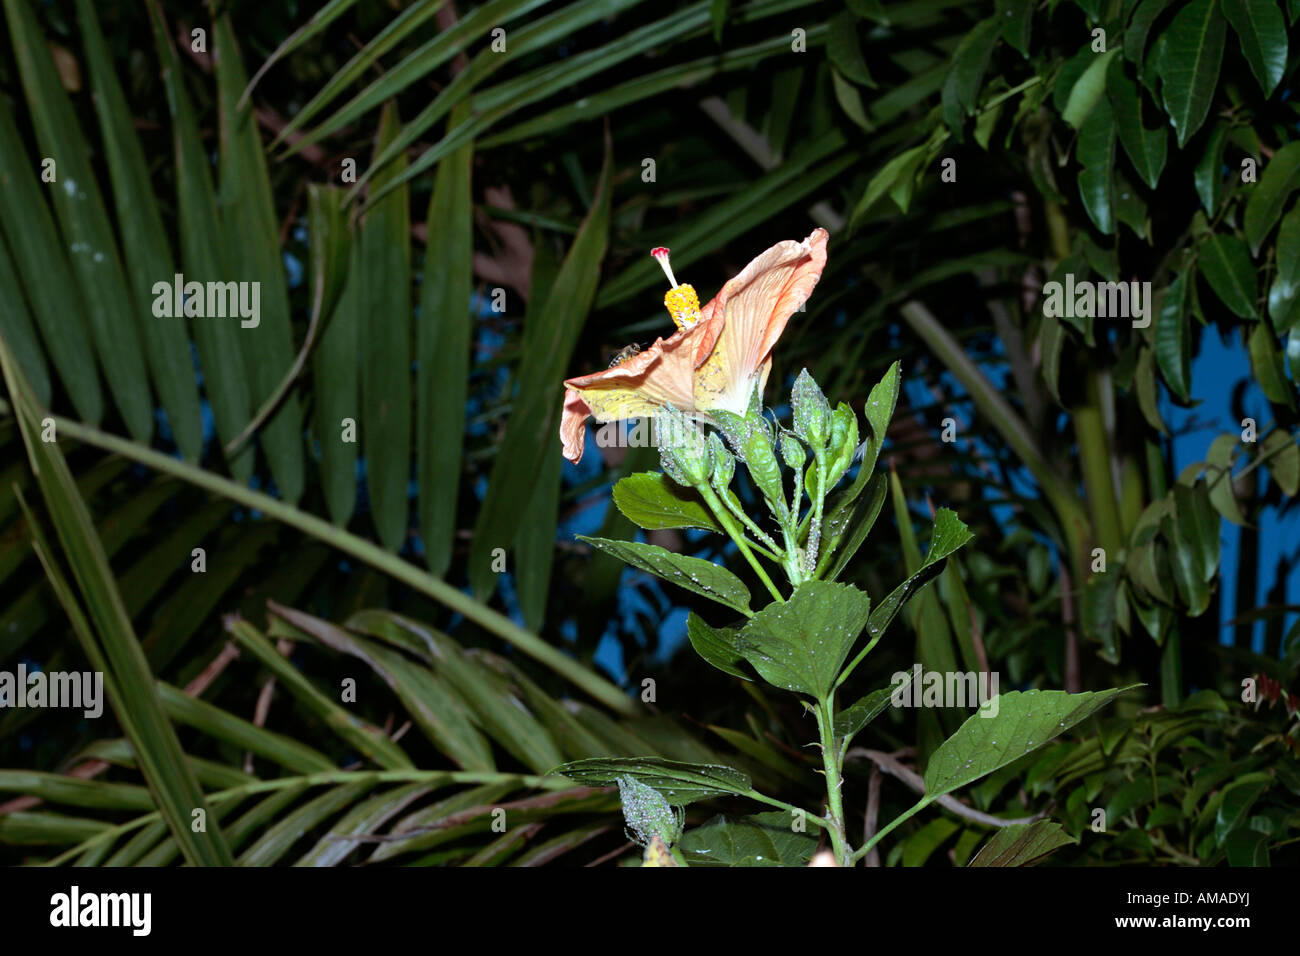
(812, 413)
(792, 452)
(843, 444)
(682, 448)
(647, 813)
(722, 465)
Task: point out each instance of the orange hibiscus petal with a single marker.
(756, 305)
(662, 374)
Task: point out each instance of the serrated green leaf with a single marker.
(764, 839)
(1025, 720)
(852, 719)
(719, 646)
(655, 502)
(694, 574)
(801, 644)
(948, 534)
(1023, 844)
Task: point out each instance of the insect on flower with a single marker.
(717, 356)
(623, 354)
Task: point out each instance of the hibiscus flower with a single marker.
(718, 355)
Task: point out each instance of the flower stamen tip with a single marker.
(660, 254)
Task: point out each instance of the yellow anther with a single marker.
(683, 305)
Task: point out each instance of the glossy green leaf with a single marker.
(852, 719)
(800, 644)
(717, 645)
(764, 839)
(1285, 289)
(1017, 19)
(1096, 153)
(1219, 478)
(1024, 720)
(1173, 338)
(694, 574)
(1269, 365)
(966, 77)
(681, 783)
(948, 534)
(1198, 525)
(846, 528)
(1268, 198)
(1145, 146)
(1023, 844)
(845, 50)
(1189, 65)
(1283, 461)
(1088, 89)
(655, 502)
(1225, 264)
(1139, 28)
(1208, 174)
(1262, 30)
(1238, 799)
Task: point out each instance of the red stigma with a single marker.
(659, 252)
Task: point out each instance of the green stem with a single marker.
(831, 762)
(906, 814)
(759, 533)
(369, 553)
(790, 807)
(1095, 461)
(815, 528)
(737, 535)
